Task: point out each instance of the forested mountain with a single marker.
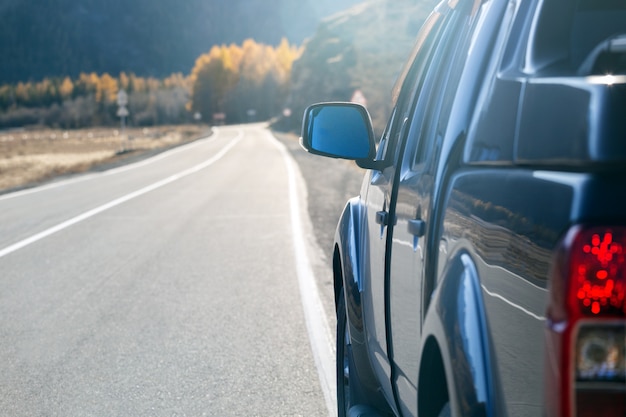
(56, 38)
(361, 49)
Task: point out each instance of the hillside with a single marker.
(148, 37)
(363, 48)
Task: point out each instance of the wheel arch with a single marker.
(432, 392)
(347, 258)
(347, 276)
(456, 329)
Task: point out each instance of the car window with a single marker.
(384, 141)
(430, 99)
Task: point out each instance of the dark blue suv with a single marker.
(482, 269)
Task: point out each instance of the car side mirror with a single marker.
(339, 130)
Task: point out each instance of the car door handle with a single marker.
(382, 218)
(417, 227)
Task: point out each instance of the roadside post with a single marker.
(122, 111)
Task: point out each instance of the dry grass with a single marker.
(31, 156)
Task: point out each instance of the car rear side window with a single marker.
(408, 86)
(435, 98)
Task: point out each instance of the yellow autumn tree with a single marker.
(212, 78)
(286, 54)
(106, 89)
(136, 83)
(153, 84)
(22, 92)
(66, 88)
(7, 96)
(176, 80)
(264, 78)
(123, 81)
(86, 84)
(255, 63)
(43, 93)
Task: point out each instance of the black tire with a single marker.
(343, 359)
(351, 400)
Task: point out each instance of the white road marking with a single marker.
(84, 216)
(315, 316)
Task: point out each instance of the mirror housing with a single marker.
(339, 130)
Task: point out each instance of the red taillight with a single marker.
(597, 284)
(586, 337)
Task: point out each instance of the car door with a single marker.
(413, 208)
(377, 202)
(380, 208)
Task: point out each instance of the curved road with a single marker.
(183, 285)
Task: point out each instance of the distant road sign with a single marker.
(122, 98)
(122, 111)
(219, 118)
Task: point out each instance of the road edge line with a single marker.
(317, 324)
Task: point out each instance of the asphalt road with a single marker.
(188, 284)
